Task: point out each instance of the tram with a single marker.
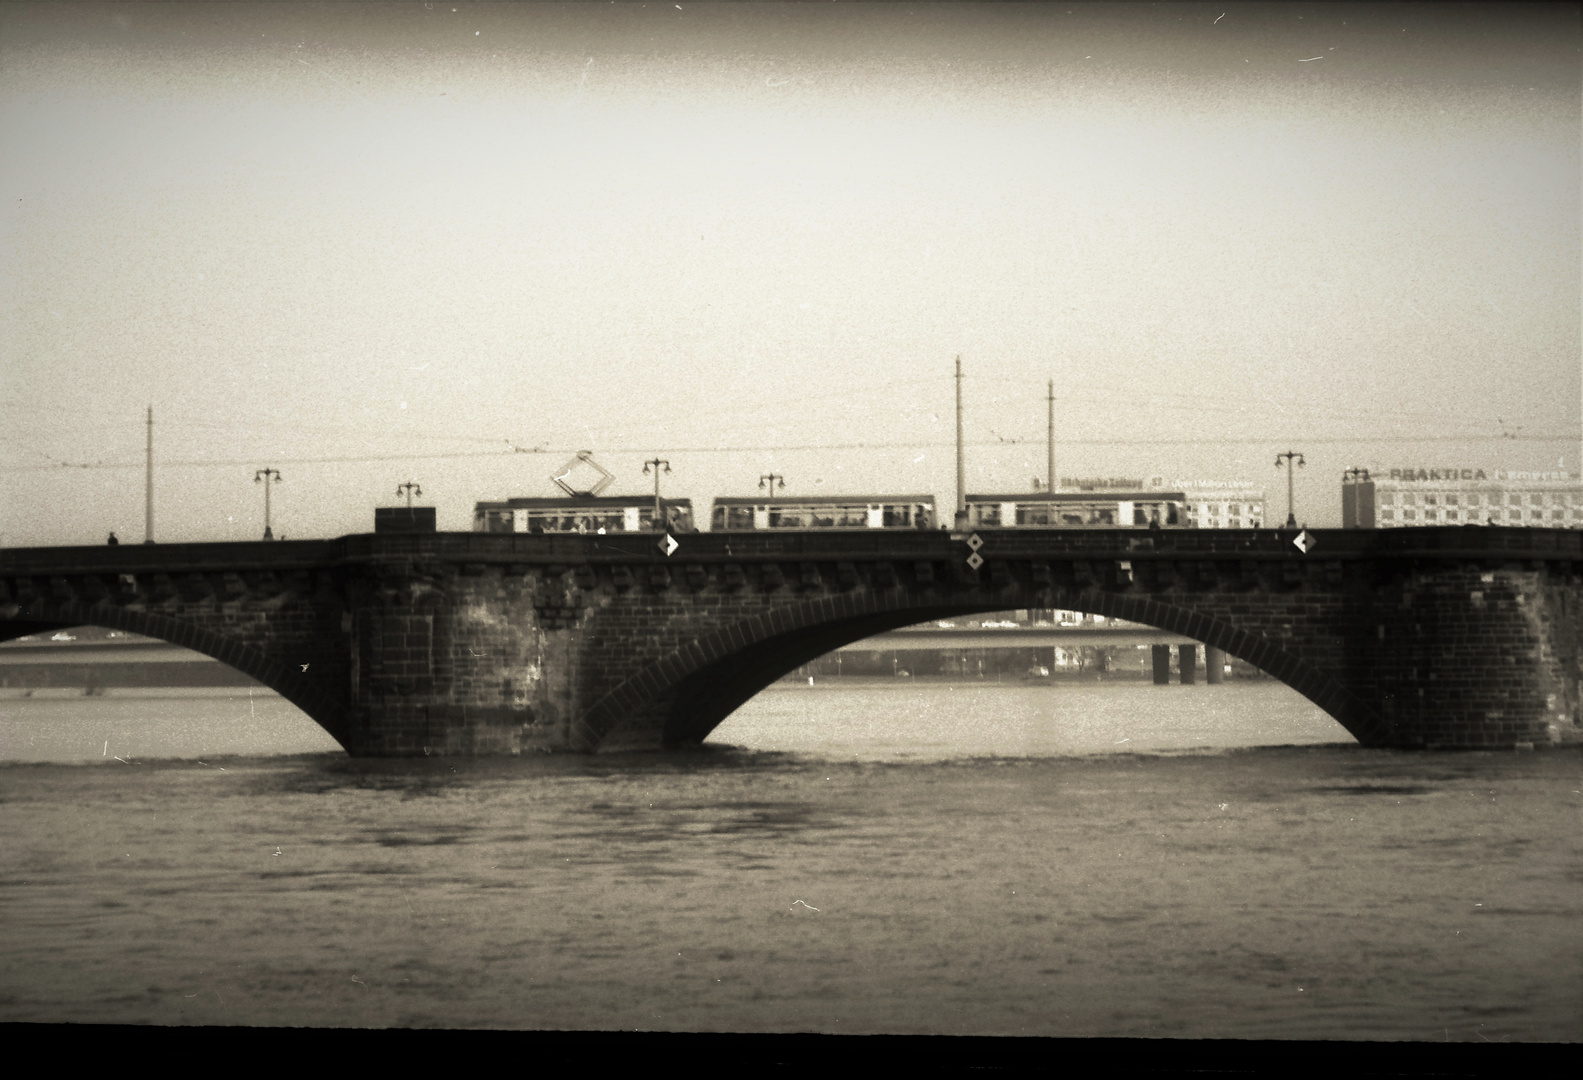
(581, 514)
(1078, 510)
(823, 512)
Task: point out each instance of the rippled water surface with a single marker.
(863, 884)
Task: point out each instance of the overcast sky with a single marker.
(368, 244)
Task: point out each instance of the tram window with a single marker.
(986, 514)
(1033, 514)
(739, 517)
(1103, 517)
(898, 517)
(1071, 518)
(788, 517)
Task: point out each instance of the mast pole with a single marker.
(148, 483)
(961, 481)
(1050, 443)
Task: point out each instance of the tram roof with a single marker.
(1078, 496)
(820, 500)
(579, 502)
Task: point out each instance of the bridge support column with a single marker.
(1162, 664)
(1187, 663)
(1214, 666)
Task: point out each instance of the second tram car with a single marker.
(1078, 510)
(581, 514)
(823, 512)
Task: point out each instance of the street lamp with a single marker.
(659, 511)
(411, 489)
(267, 477)
(1357, 476)
(1290, 456)
(772, 478)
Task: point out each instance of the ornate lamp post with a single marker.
(1290, 456)
(772, 479)
(659, 510)
(411, 489)
(266, 477)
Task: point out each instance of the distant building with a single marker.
(1402, 498)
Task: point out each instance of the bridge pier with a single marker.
(1187, 664)
(1214, 666)
(1161, 655)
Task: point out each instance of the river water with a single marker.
(1077, 860)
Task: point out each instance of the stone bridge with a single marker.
(470, 643)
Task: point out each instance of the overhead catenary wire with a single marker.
(804, 448)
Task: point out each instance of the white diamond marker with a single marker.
(975, 542)
(1303, 542)
(975, 560)
(669, 545)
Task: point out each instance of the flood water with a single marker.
(1078, 860)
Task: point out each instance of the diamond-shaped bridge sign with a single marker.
(1303, 542)
(582, 475)
(975, 542)
(975, 560)
(669, 545)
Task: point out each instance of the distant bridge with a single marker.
(1021, 637)
(471, 643)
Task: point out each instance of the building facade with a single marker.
(1403, 498)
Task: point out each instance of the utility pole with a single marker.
(148, 484)
(660, 523)
(410, 488)
(263, 476)
(772, 478)
(1290, 455)
(1050, 443)
(961, 474)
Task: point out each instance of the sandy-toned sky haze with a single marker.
(367, 244)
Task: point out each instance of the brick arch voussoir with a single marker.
(1318, 686)
(655, 678)
(665, 673)
(282, 678)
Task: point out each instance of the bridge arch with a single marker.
(698, 685)
(286, 680)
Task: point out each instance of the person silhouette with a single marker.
(112, 539)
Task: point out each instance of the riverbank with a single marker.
(1316, 892)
